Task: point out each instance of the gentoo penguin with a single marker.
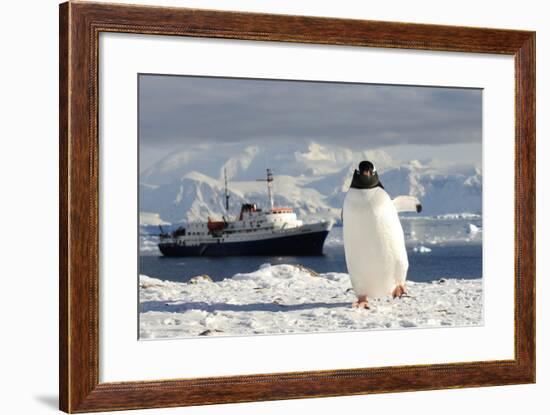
(374, 242)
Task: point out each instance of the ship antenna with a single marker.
(226, 192)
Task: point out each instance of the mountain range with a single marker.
(188, 185)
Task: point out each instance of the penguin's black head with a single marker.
(366, 177)
(366, 168)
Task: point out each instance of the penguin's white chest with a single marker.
(374, 242)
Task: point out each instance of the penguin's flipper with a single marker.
(407, 204)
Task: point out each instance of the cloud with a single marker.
(182, 110)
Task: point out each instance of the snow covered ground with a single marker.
(292, 299)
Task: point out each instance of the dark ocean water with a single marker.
(436, 249)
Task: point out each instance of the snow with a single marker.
(311, 178)
(151, 219)
(239, 163)
(278, 299)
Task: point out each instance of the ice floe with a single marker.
(422, 249)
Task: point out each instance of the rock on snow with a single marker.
(289, 299)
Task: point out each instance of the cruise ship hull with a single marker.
(310, 243)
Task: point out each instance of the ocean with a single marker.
(438, 247)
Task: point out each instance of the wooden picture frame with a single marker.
(80, 26)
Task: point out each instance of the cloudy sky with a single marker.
(406, 121)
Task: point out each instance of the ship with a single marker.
(255, 231)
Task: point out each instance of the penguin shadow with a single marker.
(210, 307)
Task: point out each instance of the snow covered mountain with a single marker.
(188, 185)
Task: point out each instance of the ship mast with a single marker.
(270, 187)
(226, 192)
(269, 181)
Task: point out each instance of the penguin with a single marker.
(374, 242)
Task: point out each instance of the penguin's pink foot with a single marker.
(398, 291)
(362, 302)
